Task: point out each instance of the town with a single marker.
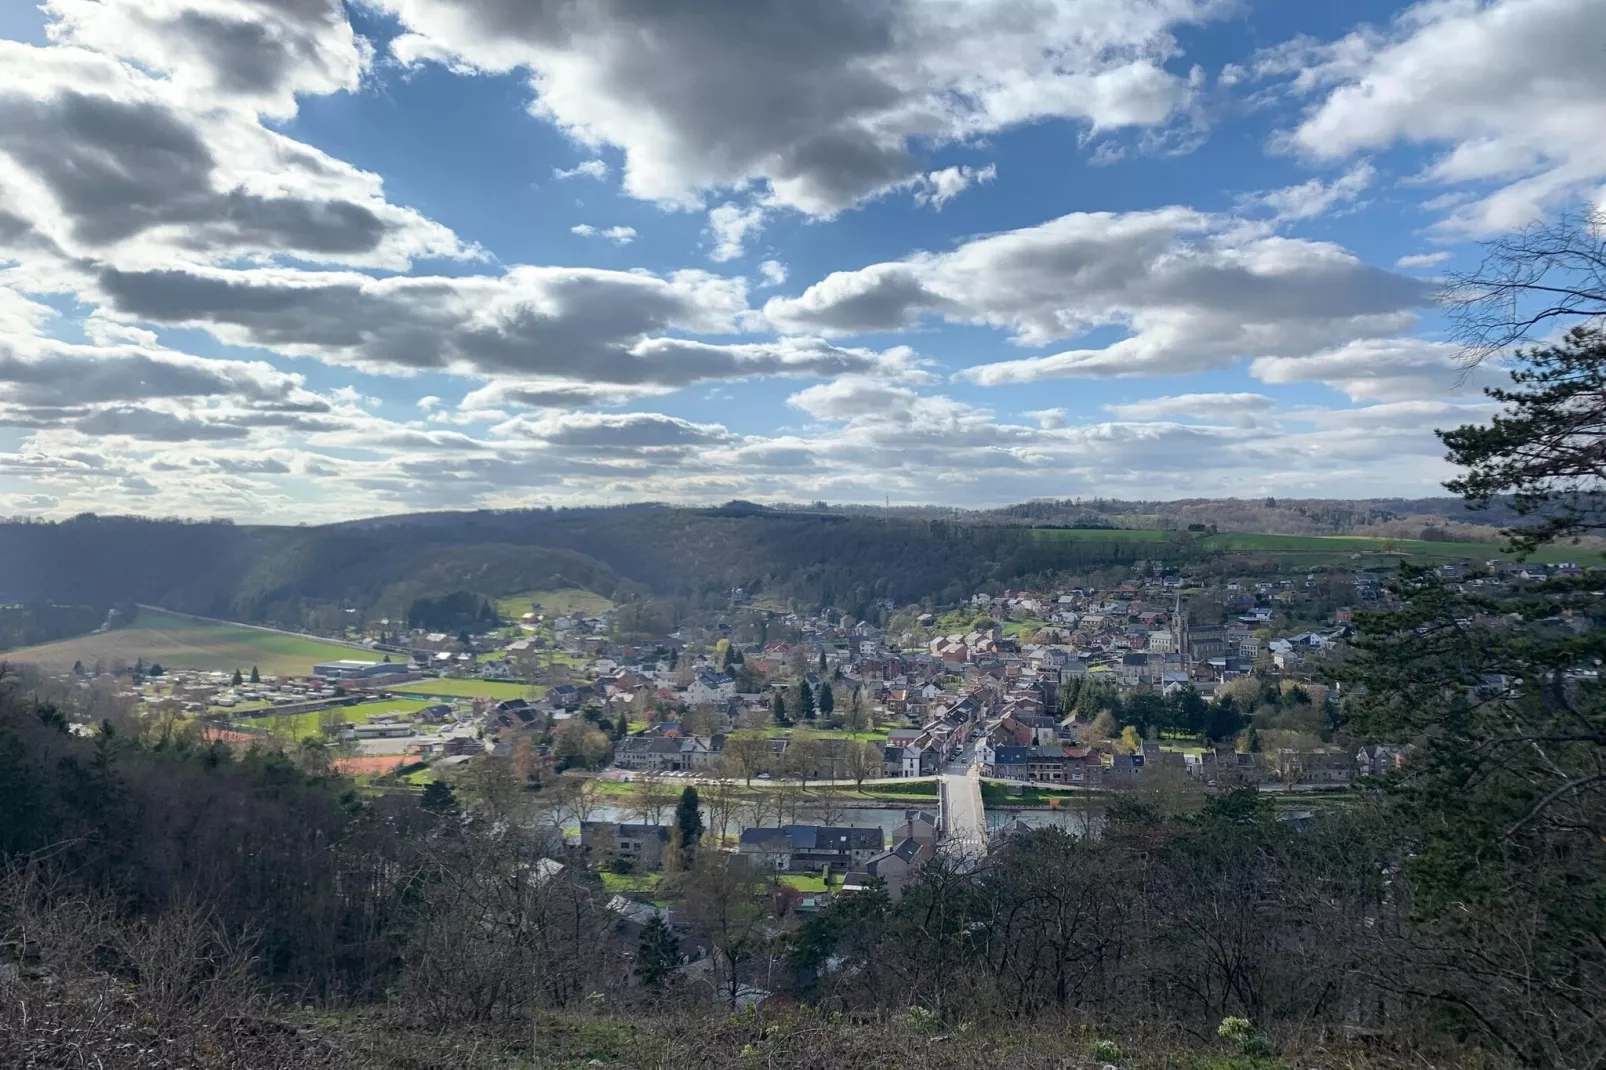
(835, 751)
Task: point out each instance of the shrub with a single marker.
(1107, 1051)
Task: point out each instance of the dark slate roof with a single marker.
(908, 849)
(1010, 755)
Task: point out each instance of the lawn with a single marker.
(444, 688)
(803, 882)
(181, 643)
(621, 883)
(301, 725)
(553, 603)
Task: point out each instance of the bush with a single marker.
(1107, 1051)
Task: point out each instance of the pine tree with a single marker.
(822, 661)
(238, 679)
(805, 700)
(689, 819)
(658, 953)
(439, 798)
(780, 710)
(256, 677)
(827, 700)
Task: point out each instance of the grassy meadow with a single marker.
(182, 643)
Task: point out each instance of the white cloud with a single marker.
(820, 103)
(1239, 409)
(590, 168)
(1417, 261)
(254, 53)
(1514, 91)
(1383, 369)
(1192, 291)
(104, 162)
(1313, 198)
(939, 187)
(729, 226)
(617, 235)
(773, 271)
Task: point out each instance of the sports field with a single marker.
(462, 689)
(182, 643)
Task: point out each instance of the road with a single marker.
(964, 822)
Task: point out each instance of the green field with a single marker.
(300, 725)
(464, 689)
(181, 643)
(553, 603)
(1334, 548)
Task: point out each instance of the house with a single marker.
(709, 687)
(805, 848)
(648, 752)
(1375, 759)
(1010, 763)
(641, 845)
(900, 865)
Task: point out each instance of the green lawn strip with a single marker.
(454, 688)
(622, 883)
(803, 882)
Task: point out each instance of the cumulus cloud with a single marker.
(583, 325)
(258, 53)
(1418, 261)
(1383, 369)
(1222, 408)
(1193, 291)
(819, 102)
(590, 168)
(617, 235)
(729, 226)
(98, 159)
(1512, 91)
(939, 187)
(773, 271)
(1312, 198)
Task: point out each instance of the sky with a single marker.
(306, 260)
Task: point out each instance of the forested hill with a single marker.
(280, 574)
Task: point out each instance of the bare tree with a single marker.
(746, 754)
(1549, 272)
(651, 798)
(864, 761)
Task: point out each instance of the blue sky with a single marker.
(304, 260)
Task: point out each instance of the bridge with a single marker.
(960, 818)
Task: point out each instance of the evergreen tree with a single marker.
(237, 679)
(658, 953)
(822, 661)
(689, 818)
(780, 710)
(155, 669)
(1224, 720)
(805, 701)
(439, 798)
(78, 668)
(827, 700)
(256, 677)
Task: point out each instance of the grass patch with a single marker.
(553, 603)
(443, 688)
(918, 788)
(803, 882)
(622, 883)
(181, 643)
